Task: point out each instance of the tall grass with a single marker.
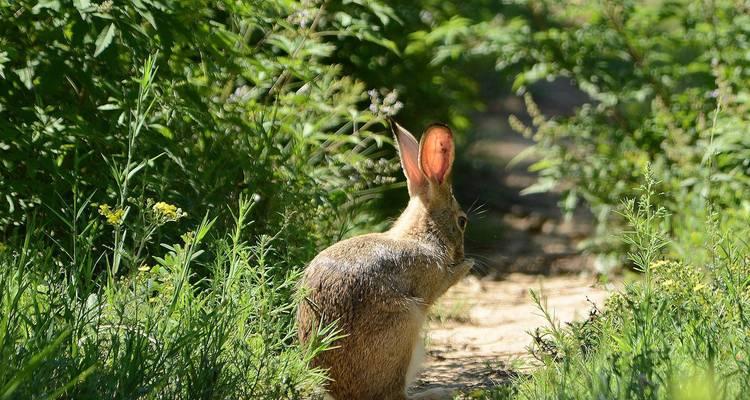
(211, 319)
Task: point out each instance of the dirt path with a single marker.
(478, 334)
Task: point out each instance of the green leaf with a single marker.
(3, 59)
(27, 76)
(541, 186)
(51, 4)
(166, 132)
(81, 5)
(107, 107)
(104, 39)
(146, 14)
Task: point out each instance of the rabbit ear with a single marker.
(408, 150)
(436, 153)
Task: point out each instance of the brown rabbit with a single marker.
(378, 287)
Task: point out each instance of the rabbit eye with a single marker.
(462, 221)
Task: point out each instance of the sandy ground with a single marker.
(479, 333)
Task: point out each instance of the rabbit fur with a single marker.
(377, 288)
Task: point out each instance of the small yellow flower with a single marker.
(114, 217)
(188, 237)
(699, 287)
(144, 268)
(657, 264)
(167, 212)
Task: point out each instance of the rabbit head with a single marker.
(433, 214)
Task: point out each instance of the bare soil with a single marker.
(483, 339)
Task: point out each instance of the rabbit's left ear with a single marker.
(436, 153)
(408, 151)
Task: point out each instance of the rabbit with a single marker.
(377, 288)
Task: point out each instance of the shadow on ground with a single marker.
(467, 375)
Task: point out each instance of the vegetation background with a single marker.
(167, 168)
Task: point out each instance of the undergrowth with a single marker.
(679, 332)
(209, 316)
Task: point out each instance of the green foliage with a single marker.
(667, 88)
(448, 45)
(193, 325)
(679, 333)
(244, 104)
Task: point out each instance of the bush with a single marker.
(666, 82)
(244, 104)
(681, 332)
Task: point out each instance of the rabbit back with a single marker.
(355, 279)
(365, 285)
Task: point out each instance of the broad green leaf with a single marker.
(107, 107)
(146, 14)
(3, 59)
(51, 4)
(27, 76)
(104, 39)
(81, 5)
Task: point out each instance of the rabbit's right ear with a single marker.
(436, 153)
(408, 150)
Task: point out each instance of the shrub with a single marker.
(666, 82)
(681, 332)
(244, 104)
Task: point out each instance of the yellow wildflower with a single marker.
(167, 212)
(188, 237)
(699, 287)
(144, 268)
(659, 263)
(114, 217)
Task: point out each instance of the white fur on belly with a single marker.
(417, 353)
(417, 358)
